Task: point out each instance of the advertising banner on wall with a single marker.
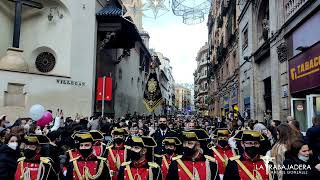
(304, 70)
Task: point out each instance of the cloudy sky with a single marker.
(177, 41)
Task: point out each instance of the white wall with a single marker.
(73, 39)
(6, 24)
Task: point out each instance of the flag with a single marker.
(152, 96)
(107, 89)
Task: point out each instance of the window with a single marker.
(245, 38)
(14, 96)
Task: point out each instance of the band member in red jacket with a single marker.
(249, 165)
(100, 148)
(170, 147)
(193, 164)
(141, 166)
(117, 152)
(32, 166)
(222, 151)
(84, 163)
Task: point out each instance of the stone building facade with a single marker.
(183, 99)
(268, 37)
(66, 46)
(201, 81)
(224, 58)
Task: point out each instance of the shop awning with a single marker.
(110, 19)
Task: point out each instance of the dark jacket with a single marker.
(292, 173)
(158, 137)
(313, 139)
(8, 162)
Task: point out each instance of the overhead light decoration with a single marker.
(157, 8)
(133, 9)
(191, 11)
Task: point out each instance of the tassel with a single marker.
(195, 174)
(150, 174)
(208, 170)
(118, 163)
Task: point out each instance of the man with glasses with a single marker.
(249, 165)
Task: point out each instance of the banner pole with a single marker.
(154, 122)
(103, 94)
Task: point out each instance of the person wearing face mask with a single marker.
(9, 154)
(193, 164)
(249, 165)
(140, 166)
(32, 165)
(162, 132)
(170, 146)
(299, 156)
(83, 163)
(117, 152)
(222, 150)
(99, 147)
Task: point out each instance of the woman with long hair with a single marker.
(299, 156)
(285, 136)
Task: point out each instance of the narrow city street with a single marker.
(159, 89)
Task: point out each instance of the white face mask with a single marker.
(13, 145)
(303, 158)
(38, 132)
(232, 143)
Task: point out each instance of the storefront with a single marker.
(304, 82)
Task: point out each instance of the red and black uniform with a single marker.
(202, 168)
(30, 169)
(100, 149)
(116, 156)
(225, 153)
(81, 168)
(139, 171)
(235, 171)
(164, 161)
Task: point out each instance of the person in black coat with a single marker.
(313, 138)
(297, 164)
(9, 154)
(162, 133)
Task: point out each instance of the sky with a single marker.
(177, 41)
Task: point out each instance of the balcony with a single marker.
(202, 77)
(292, 6)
